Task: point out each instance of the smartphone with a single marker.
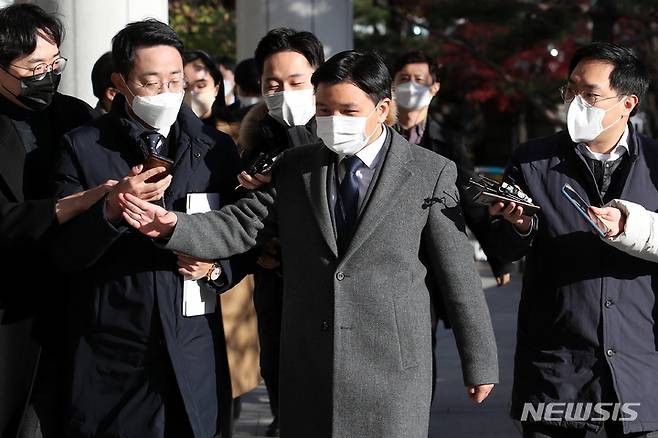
(154, 161)
(488, 198)
(264, 163)
(583, 208)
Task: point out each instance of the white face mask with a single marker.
(247, 101)
(413, 96)
(343, 134)
(228, 87)
(585, 122)
(292, 108)
(159, 111)
(200, 102)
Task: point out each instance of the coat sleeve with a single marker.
(503, 240)
(453, 269)
(640, 235)
(235, 229)
(475, 215)
(25, 222)
(80, 242)
(235, 268)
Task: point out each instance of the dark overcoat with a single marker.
(587, 317)
(132, 349)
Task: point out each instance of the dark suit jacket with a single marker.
(25, 222)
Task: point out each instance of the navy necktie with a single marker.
(347, 202)
(152, 140)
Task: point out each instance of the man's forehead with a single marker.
(592, 71)
(283, 64)
(415, 68)
(157, 59)
(45, 51)
(344, 93)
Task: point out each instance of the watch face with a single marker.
(214, 275)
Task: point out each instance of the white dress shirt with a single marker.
(371, 155)
(616, 153)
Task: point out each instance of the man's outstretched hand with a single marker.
(150, 219)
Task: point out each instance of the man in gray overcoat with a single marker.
(366, 222)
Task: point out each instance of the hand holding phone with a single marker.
(585, 210)
(154, 161)
(262, 165)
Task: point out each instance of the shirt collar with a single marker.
(616, 153)
(370, 154)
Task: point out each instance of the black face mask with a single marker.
(38, 94)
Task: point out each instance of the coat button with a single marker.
(610, 352)
(197, 154)
(609, 303)
(340, 276)
(324, 326)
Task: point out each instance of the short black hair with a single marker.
(208, 62)
(19, 26)
(101, 75)
(629, 75)
(284, 39)
(146, 33)
(417, 57)
(366, 70)
(225, 61)
(246, 76)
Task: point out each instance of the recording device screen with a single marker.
(583, 208)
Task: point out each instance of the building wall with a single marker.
(90, 26)
(330, 20)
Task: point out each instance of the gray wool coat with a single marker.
(356, 353)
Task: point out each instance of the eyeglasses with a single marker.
(569, 94)
(153, 87)
(39, 72)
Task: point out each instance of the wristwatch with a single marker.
(214, 272)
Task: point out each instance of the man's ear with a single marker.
(436, 86)
(120, 85)
(383, 108)
(630, 103)
(110, 92)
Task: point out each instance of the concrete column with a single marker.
(330, 20)
(90, 26)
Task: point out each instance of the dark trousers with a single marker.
(610, 430)
(45, 415)
(268, 301)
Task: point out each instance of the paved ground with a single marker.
(453, 415)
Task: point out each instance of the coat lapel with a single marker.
(12, 158)
(392, 180)
(314, 174)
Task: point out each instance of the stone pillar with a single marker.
(330, 20)
(90, 26)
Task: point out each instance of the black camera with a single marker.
(486, 191)
(264, 162)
